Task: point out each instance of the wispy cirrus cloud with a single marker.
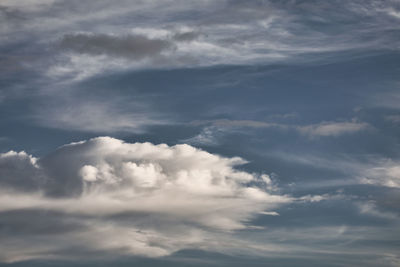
(200, 33)
(217, 129)
(332, 128)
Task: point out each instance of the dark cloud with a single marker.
(41, 222)
(13, 169)
(129, 46)
(186, 36)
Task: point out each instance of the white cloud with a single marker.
(133, 199)
(384, 173)
(393, 12)
(332, 128)
(370, 208)
(365, 169)
(208, 136)
(271, 213)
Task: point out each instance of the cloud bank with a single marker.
(127, 199)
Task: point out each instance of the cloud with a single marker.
(129, 46)
(208, 136)
(383, 173)
(97, 115)
(128, 199)
(387, 99)
(393, 118)
(186, 36)
(236, 123)
(20, 171)
(227, 33)
(97, 36)
(214, 130)
(30, 6)
(371, 209)
(352, 169)
(332, 128)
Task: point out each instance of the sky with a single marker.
(199, 133)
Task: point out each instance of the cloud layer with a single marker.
(128, 199)
(197, 33)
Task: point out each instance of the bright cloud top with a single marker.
(134, 199)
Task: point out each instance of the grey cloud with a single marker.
(387, 99)
(40, 222)
(19, 171)
(97, 114)
(130, 46)
(393, 118)
(186, 36)
(27, 6)
(236, 123)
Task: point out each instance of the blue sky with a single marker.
(199, 133)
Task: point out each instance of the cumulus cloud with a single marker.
(129, 199)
